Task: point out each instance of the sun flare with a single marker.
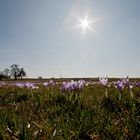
(85, 24)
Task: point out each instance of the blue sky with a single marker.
(39, 35)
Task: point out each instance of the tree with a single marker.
(21, 73)
(15, 70)
(2, 75)
(6, 72)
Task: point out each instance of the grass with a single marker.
(47, 113)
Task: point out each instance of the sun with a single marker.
(85, 24)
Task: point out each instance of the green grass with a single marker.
(47, 113)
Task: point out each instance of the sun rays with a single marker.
(85, 24)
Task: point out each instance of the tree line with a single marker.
(13, 72)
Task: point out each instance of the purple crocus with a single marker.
(46, 84)
(126, 80)
(119, 85)
(51, 82)
(62, 87)
(69, 86)
(103, 81)
(21, 85)
(73, 85)
(81, 84)
(137, 84)
(31, 85)
(127, 84)
(35, 87)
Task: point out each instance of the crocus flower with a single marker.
(89, 83)
(70, 86)
(35, 87)
(81, 84)
(103, 80)
(28, 84)
(31, 85)
(45, 84)
(125, 80)
(120, 86)
(51, 82)
(62, 87)
(28, 125)
(73, 85)
(131, 86)
(137, 84)
(21, 85)
(2, 84)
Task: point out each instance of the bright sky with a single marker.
(44, 37)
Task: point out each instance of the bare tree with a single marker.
(21, 73)
(6, 72)
(15, 70)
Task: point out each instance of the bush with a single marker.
(2, 76)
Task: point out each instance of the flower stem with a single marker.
(106, 93)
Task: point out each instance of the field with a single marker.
(81, 109)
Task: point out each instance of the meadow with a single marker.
(100, 109)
